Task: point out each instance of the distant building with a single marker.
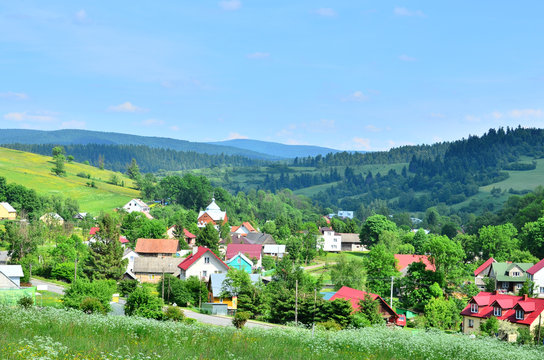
(240, 262)
(245, 228)
(509, 277)
(7, 211)
(482, 272)
(136, 205)
(351, 242)
(213, 214)
(404, 261)
(10, 276)
(329, 240)
(150, 269)
(252, 251)
(202, 263)
(157, 247)
(345, 214)
(536, 275)
(52, 219)
(274, 250)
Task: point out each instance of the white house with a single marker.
(274, 250)
(10, 276)
(329, 240)
(213, 214)
(536, 275)
(345, 214)
(136, 205)
(201, 264)
(130, 255)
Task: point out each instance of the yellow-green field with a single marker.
(34, 172)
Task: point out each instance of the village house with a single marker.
(404, 261)
(245, 228)
(482, 273)
(7, 212)
(213, 214)
(93, 237)
(220, 294)
(151, 269)
(10, 276)
(189, 237)
(275, 250)
(254, 252)
(201, 263)
(157, 247)
(52, 219)
(522, 311)
(241, 262)
(130, 255)
(136, 205)
(509, 277)
(355, 296)
(329, 240)
(351, 242)
(536, 275)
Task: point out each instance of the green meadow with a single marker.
(34, 171)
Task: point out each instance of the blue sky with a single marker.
(359, 75)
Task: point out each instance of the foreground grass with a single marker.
(59, 334)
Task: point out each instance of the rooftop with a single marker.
(157, 246)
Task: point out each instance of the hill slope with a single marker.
(34, 172)
(83, 137)
(276, 149)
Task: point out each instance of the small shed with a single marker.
(215, 308)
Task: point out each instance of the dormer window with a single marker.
(520, 314)
(516, 273)
(474, 308)
(497, 311)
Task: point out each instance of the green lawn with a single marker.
(48, 298)
(521, 180)
(34, 171)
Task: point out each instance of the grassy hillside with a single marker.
(34, 172)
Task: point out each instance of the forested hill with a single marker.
(83, 137)
(277, 149)
(117, 157)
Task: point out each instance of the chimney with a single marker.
(195, 249)
(496, 292)
(525, 297)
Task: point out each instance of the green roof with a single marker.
(502, 269)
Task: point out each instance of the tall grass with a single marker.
(68, 334)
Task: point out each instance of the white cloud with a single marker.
(230, 5)
(437, 115)
(525, 113)
(174, 128)
(258, 55)
(235, 135)
(405, 57)
(73, 124)
(42, 117)
(13, 95)
(472, 118)
(361, 143)
(81, 16)
(372, 128)
(496, 115)
(326, 12)
(356, 96)
(126, 107)
(402, 11)
(152, 122)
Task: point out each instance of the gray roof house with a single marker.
(10, 276)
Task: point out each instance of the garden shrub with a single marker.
(329, 325)
(240, 319)
(174, 313)
(26, 301)
(92, 305)
(125, 287)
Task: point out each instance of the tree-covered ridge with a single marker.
(150, 159)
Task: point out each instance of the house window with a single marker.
(207, 260)
(516, 273)
(204, 273)
(497, 311)
(542, 289)
(518, 286)
(473, 308)
(470, 323)
(505, 285)
(150, 277)
(520, 314)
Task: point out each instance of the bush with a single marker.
(125, 287)
(142, 303)
(65, 271)
(524, 336)
(329, 325)
(92, 305)
(174, 313)
(81, 289)
(84, 175)
(26, 301)
(240, 319)
(189, 321)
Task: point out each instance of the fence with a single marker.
(12, 296)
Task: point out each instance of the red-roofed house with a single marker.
(482, 272)
(521, 311)
(354, 296)
(252, 251)
(404, 261)
(187, 235)
(201, 263)
(536, 275)
(245, 228)
(213, 214)
(157, 247)
(94, 230)
(123, 240)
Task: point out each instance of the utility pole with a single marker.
(296, 302)
(391, 298)
(75, 269)
(539, 325)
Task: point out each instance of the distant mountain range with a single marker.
(253, 149)
(277, 149)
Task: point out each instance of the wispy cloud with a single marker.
(230, 5)
(372, 128)
(152, 122)
(258, 55)
(40, 117)
(126, 107)
(73, 124)
(402, 11)
(405, 57)
(235, 135)
(13, 95)
(356, 96)
(81, 17)
(326, 12)
(526, 113)
(174, 128)
(361, 143)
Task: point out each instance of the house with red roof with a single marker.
(94, 230)
(189, 237)
(522, 311)
(245, 228)
(482, 272)
(201, 263)
(213, 214)
(157, 247)
(251, 251)
(404, 261)
(536, 275)
(355, 296)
